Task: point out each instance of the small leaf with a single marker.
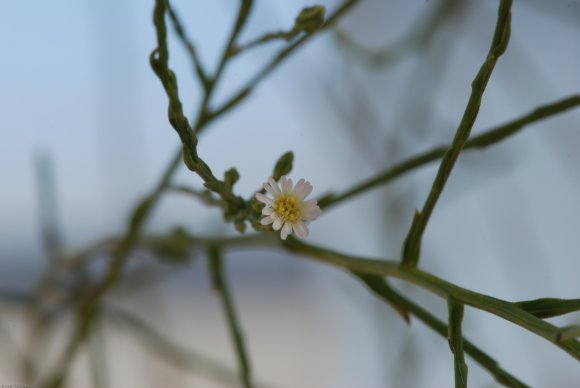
(411, 255)
(310, 19)
(550, 307)
(240, 226)
(283, 165)
(231, 177)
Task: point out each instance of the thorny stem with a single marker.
(499, 44)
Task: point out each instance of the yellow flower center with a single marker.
(288, 208)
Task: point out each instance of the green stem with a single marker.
(455, 338)
(384, 291)
(507, 310)
(222, 287)
(88, 304)
(280, 57)
(169, 351)
(180, 31)
(499, 44)
(424, 31)
(487, 138)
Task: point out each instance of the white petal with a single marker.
(299, 186)
(269, 189)
(301, 229)
(277, 224)
(267, 211)
(286, 230)
(274, 186)
(302, 190)
(262, 198)
(282, 182)
(286, 184)
(311, 210)
(266, 220)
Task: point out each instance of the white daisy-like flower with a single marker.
(288, 210)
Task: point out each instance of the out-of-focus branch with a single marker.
(486, 139)
(423, 32)
(189, 46)
(168, 351)
(221, 285)
(280, 57)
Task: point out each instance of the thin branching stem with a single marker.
(423, 33)
(170, 351)
(189, 46)
(485, 139)
(384, 291)
(412, 245)
(455, 338)
(221, 285)
(391, 268)
(279, 58)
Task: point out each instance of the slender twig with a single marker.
(487, 138)
(424, 31)
(384, 291)
(204, 196)
(189, 46)
(499, 44)
(455, 338)
(169, 351)
(203, 113)
(279, 58)
(507, 310)
(98, 357)
(88, 302)
(221, 286)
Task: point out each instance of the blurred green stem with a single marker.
(221, 286)
(485, 139)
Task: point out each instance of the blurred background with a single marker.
(85, 136)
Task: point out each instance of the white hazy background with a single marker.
(75, 84)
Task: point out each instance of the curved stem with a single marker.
(485, 139)
(412, 245)
(384, 291)
(222, 287)
(507, 310)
